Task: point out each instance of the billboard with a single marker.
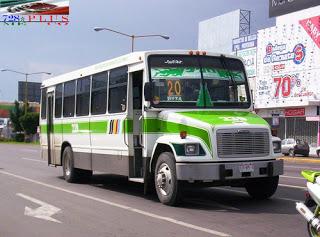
(19, 13)
(287, 67)
(246, 48)
(34, 92)
(249, 57)
(282, 7)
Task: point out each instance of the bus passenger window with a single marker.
(69, 99)
(118, 90)
(58, 101)
(44, 103)
(83, 96)
(99, 93)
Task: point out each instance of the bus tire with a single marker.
(262, 188)
(70, 174)
(165, 179)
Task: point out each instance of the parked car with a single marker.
(3, 122)
(318, 151)
(293, 147)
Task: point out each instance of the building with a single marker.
(6, 107)
(282, 64)
(288, 75)
(216, 34)
(34, 92)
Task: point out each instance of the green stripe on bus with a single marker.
(127, 126)
(99, 126)
(150, 125)
(85, 127)
(160, 126)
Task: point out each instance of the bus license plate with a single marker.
(246, 167)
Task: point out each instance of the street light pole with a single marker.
(133, 37)
(26, 95)
(26, 84)
(132, 43)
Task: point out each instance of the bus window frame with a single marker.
(76, 95)
(231, 105)
(74, 107)
(127, 98)
(107, 99)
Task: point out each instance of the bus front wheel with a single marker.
(262, 188)
(165, 177)
(71, 174)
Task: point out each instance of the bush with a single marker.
(19, 137)
(30, 123)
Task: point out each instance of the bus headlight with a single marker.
(192, 149)
(276, 146)
(189, 149)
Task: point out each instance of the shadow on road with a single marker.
(206, 199)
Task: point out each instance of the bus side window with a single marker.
(69, 99)
(99, 93)
(83, 96)
(44, 103)
(58, 101)
(118, 80)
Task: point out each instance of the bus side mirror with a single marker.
(147, 91)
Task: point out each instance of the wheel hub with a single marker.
(164, 179)
(67, 166)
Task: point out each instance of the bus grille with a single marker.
(242, 143)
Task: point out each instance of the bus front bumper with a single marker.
(228, 171)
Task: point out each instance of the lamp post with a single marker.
(133, 37)
(26, 85)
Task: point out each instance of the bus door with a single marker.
(50, 131)
(135, 141)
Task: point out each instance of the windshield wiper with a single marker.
(204, 99)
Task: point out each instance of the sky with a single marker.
(60, 49)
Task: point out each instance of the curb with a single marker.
(300, 160)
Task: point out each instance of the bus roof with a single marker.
(127, 59)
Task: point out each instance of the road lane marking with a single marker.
(42, 161)
(45, 211)
(128, 208)
(292, 186)
(276, 198)
(300, 167)
(291, 177)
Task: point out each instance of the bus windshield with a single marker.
(181, 81)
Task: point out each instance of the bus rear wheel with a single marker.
(70, 173)
(166, 182)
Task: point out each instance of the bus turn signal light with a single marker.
(183, 134)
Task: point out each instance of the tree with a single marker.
(15, 115)
(30, 123)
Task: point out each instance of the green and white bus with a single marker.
(162, 118)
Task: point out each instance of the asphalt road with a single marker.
(108, 206)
